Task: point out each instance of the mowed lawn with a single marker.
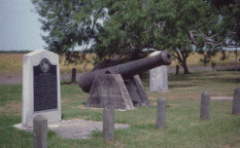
(183, 125)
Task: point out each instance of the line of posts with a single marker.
(40, 122)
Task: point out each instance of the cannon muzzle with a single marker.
(127, 70)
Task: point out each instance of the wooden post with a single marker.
(108, 123)
(161, 113)
(205, 106)
(40, 132)
(74, 75)
(236, 102)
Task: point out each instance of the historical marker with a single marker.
(41, 87)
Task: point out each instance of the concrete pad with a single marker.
(74, 129)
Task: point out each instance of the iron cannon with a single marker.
(130, 85)
(127, 70)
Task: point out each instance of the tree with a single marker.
(129, 30)
(131, 26)
(192, 23)
(168, 24)
(230, 11)
(70, 23)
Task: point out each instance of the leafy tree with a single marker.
(57, 19)
(131, 26)
(168, 24)
(69, 23)
(230, 11)
(128, 30)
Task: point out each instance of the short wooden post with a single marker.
(205, 106)
(40, 131)
(108, 123)
(177, 70)
(74, 75)
(161, 113)
(236, 102)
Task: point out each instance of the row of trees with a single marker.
(125, 27)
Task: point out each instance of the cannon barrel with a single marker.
(127, 70)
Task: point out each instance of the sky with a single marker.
(19, 26)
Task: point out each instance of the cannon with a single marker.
(120, 85)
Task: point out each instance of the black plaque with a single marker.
(45, 86)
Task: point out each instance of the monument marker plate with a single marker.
(45, 86)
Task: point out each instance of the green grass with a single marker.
(12, 93)
(183, 126)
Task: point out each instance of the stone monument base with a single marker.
(110, 89)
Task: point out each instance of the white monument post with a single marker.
(40, 87)
(158, 77)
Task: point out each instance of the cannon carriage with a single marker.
(120, 85)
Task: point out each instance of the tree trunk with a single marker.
(185, 67)
(182, 59)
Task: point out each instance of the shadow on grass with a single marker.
(229, 69)
(226, 80)
(180, 86)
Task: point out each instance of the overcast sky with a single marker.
(19, 26)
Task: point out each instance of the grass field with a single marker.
(183, 126)
(11, 63)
